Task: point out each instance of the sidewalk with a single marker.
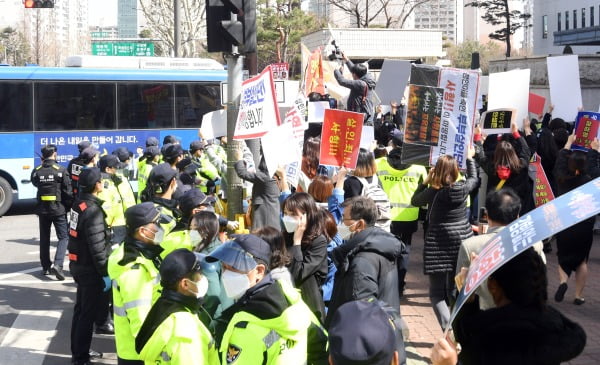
(424, 328)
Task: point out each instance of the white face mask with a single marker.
(344, 231)
(290, 223)
(201, 287)
(195, 237)
(235, 284)
(159, 236)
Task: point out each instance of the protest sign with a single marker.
(510, 90)
(367, 137)
(542, 191)
(316, 111)
(565, 87)
(536, 104)
(340, 138)
(277, 149)
(258, 107)
(281, 70)
(214, 124)
(427, 75)
(497, 121)
(392, 80)
(459, 111)
(313, 76)
(561, 213)
(586, 129)
(423, 119)
(296, 117)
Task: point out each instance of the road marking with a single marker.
(17, 273)
(35, 282)
(29, 337)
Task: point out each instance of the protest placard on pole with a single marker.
(340, 138)
(497, 121)
(423, 119)
(510, 90)
(258, 107)
(542, 191)
(458, 114)
(314, 77)
(587, 127)
(392, 80)
(565, 87)
(277, 149)
(536, 104)
(296, 117)
(214, 124)
(555, 216)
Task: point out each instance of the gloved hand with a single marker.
(107, 283)
(232, 225)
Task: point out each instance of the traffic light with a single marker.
(32, 4)
(222, 32)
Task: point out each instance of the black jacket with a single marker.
(593, 163)
(359, 89)
(513, 335)
(366, 268)
(52, 180)
(448, 223)
(88, 239)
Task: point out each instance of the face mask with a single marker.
(290, 223)
(195, 237)
(235, 284)
(201, 287)
(503, 172)
(344, 231)
(159, 236)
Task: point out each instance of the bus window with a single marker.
(74, 106)
(15, 107)
(195, 100)
(145, 106)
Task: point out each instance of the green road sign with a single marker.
(122, 49)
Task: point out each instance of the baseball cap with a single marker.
(151, 141)
(177, 265)
(83, 145)
(88, 178)
(151, 151)
(197, 145)
(122, 153)
(141, 214)
(88, 154)
(162, 173)
(170, 139)
(192, 199)
(186, 165)
(241, 252)
(108, 161)
(170, 151)
(361, 333)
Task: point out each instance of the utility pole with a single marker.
(176, 27)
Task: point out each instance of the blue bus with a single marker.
(110, 107)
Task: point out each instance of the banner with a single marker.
(586, 129)
(340, 138)
(543, 222)
(258, 107)
(423, 118)
(497, 121)
(536, 104)
(313, 78)
(542, 191)
(459, 111)
(565, 86)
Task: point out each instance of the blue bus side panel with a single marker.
(16, 145)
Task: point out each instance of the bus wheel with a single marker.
(6, 196)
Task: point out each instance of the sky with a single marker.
(102, 12)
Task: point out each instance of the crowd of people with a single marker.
(320, 276)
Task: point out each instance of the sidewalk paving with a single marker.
(425, 330)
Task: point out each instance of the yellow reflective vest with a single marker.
(175, 240)
(135, 287)
(111, 202)
(400, 186)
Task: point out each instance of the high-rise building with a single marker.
(127, 19)
(444, 15)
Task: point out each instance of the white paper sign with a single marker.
(277, 149)
(510, 90)
(258, 107)
(214, 124)
(316, 111)
(296, 117)
(565, 89)
(392, 80)
(367, 137)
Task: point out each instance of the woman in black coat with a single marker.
(306, 231)
(574, 243)
(448, 227)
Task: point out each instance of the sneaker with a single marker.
(560, 292)
(57, 271)
(105, 329)
(95, 354)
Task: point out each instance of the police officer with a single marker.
(88, 245)
(150, 142)
(207, 172)
(53, 198)
(150, 159)
(76, 165)
(162, 184)
(269, 322)
(172, 332)
(124, 173)
(111, 199)
(133, 268)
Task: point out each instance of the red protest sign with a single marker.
(587, 127)
(542, 191)
(536, 103)
(340, 138)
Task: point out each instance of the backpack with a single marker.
(375, 192)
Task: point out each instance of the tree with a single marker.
(497, 12)
(461, 54)
(280, 25)
(394, 13)
(13, 47)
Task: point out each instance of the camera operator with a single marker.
(361, 86)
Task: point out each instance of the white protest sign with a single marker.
(392, 80)
(367, 137)
(316, 111)
(510, 90)
(458, 114)
(258, 107)
(214, 124)
(296, 117)
(277, 149)
(565, 89)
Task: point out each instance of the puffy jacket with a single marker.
(54, 188)
(173, 333)
(359, 89)
(448, 223)
(133, 269)
(144, 170)
(174, 240)
(111, 202)
(366, 268)
(125, 190)
(88, 239)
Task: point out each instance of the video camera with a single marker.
(336, 53)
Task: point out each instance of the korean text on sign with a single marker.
(340, 138)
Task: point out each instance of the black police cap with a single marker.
(177, 265)
(141, 214)
(88, 178)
